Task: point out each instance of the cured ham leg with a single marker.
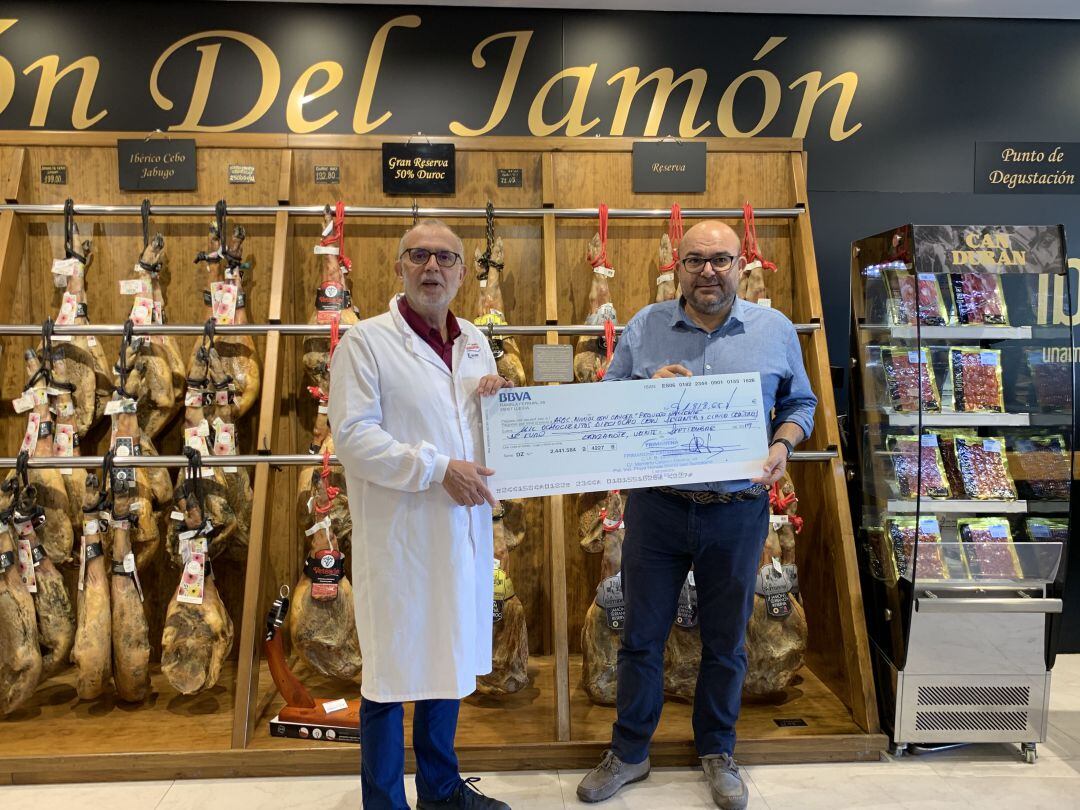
(237, 480)
(87, 366)
(130, 632)
(510, 637)
(162, 370)
(226, 303)
(333, 302)
(55, 618)
(212, 487)
(602, 530)
(20, 655)
(776, 639)
(55, 534)
(144, 535)
(322, 624)
(667, 283)
(92, 653)
(66, 442)
(591, 351)
(491, 309)
(198, 632)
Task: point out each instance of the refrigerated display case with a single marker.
(961, 459)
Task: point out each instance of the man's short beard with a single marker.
(713, 307)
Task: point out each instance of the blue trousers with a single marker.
(665, 534)
(382, 752)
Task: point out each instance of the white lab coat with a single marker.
(421, 564)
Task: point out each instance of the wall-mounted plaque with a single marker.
(669, 167)
(553, 363)
(509, 178)
(328, 175)
(426, 168)
(241, 174)
(54, 175)
(162, 165)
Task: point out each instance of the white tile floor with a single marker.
(981, 776)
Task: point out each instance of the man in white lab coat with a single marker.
(405, 413)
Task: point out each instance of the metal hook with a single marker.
(150, 135)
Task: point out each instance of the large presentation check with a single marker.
(550, 440)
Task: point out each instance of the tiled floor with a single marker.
(980, 776)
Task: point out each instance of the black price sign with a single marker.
(509, 178)
(54, 175)
(669, 166)
(1027, 167)
(328, 175)
(157, 165)
(418, 168)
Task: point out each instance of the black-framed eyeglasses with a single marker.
(721, 263)
(443, 258)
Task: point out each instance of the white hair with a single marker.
(431, 222)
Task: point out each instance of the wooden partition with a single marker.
(546, 282)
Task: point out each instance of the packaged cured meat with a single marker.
(988, 548)
(1041, 467)
(984, 469)
(909, 379)
(920, 295)
(947, 443)
(976, 375)
(930, 563)
(1047, 530)
(1051, 382)
(979, 299)
(918, 466)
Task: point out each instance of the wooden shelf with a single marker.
(547, 725)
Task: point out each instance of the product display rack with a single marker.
(545, 225)
(962, 431)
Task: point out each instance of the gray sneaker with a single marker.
(728, 789)
(605, 780)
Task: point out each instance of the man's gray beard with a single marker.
(713, 307)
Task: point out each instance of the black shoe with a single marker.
(465, 797)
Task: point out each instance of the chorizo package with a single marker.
(984, 470)
(909, 379)
(919, 455)
(988, 548)
(979, 299)
(1041, 467)
(1047, 530)
(947, 443)
(1051, 381)
(918, 295)
(902, 533)
(976, 375)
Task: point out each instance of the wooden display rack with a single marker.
(550, 724)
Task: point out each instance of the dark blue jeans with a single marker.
(665, 534)
(382, 752)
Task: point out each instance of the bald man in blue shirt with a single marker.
(719, 528)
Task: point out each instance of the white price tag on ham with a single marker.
(223, 296)
(65, 267)
(29, 442)
(135, 286)
(607, 272)
(332, 706)
(328, 250)
(23, 403)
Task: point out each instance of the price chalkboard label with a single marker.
(328, 175)
(241, 174)
(55, 175)
(418, 168)
(509, 178)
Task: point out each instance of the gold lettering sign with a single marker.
(988, 249)
(659, 88)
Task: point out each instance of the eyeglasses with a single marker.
(420, 256)
(720, 263)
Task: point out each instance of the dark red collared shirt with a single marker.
(429, 334)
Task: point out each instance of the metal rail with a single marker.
(277, 460)
(100, 330)
(400, 211)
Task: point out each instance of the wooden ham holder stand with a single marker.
(301, 717)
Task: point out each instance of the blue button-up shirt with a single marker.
(752, 338)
